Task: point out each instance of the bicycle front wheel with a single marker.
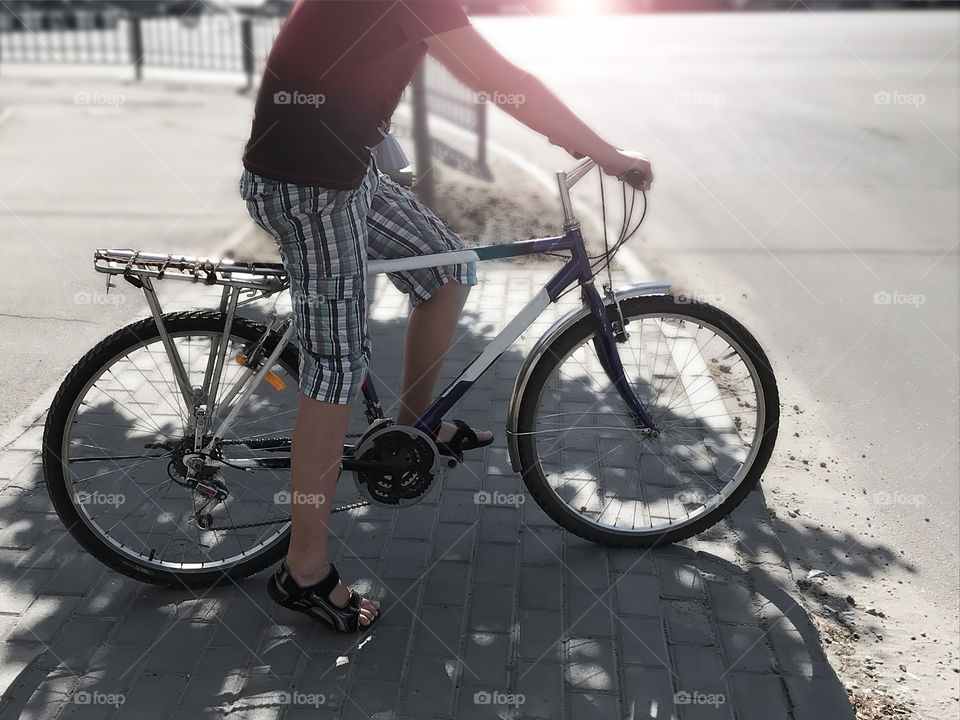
(709, 389)
(115, 451)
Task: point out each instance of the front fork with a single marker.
(605, 343)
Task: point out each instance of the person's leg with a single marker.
(318, 437)
(317, 235)
(399, 225)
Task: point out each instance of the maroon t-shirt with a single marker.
(332, 81)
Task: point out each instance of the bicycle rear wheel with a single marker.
(707, 386)
(114, 446)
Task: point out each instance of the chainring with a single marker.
(400, 445)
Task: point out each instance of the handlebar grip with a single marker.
(635, 179)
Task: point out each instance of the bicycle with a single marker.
(638, 419)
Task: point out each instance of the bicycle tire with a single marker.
(88, 369)
(577, 336)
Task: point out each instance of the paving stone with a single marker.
(415, 522)
(50, 697)
(791, 651)
(76, 645)
(587, 567)
(758, 697)
(110, 597)
(586, 614)
(12, 461)
(688, 622)
(44, 619)
(153, 696)
(429, 687)
(458, 506)
(367, 539)
(593, 705)
(382, 657)
(486, 658)
(500, 524)
(541, 634)
(591, 664)
(632, 560)
(817, 698)
(406, 559)
(438, 630)
(75, 576)
(540, 546)
(491, 608)
(21, 589)
(732, 602)
(446, 584)
(745, 648)
(540, 587)
(495, 563)
(454, 542)
(637, 595)
(679, 577)
(46, 553)
(700, 672)
(542, 687)
(375, 700)
(642, 642)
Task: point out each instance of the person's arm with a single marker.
(477, 64)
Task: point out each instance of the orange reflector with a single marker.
(270, 377)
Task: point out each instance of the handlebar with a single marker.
(566, 180)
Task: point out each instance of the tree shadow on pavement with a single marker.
(489, 610)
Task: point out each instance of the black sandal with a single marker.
(463, 439)
(286, 592)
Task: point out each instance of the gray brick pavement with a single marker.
(483, 605)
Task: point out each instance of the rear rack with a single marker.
(135, 266)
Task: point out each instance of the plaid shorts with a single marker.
(325, 237)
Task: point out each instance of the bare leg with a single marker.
(429, 332)
(315, 455)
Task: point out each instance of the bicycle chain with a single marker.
(342, 508)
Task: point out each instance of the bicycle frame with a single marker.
(266, 279)
(576, 270)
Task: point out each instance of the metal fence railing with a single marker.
(228, 43)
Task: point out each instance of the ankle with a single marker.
(306, 573)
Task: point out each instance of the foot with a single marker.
(448, 429)
(339, 596)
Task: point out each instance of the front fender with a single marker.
(655, 287)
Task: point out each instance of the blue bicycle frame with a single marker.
(576, 270)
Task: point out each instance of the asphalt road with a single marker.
(806, 181)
